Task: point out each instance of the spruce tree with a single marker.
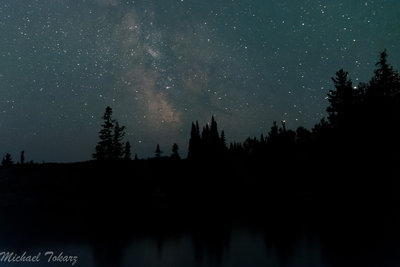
(175, 153)
(194, 142)
(223, 141)
(104, 148)
(119, 134)
(341, 99)
(158, 151)
(386, 81)
(383, 105)
(22, 158)
(214, 136)
(127, 151)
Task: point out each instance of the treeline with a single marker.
(363, 122)
(347, 162)
(8, 161)
(210, 144)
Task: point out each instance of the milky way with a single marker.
(163, 64)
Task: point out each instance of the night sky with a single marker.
(161, 64)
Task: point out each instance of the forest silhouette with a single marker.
(340, 178)
(348, 159)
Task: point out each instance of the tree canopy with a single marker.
(110, 145)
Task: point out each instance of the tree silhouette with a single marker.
(7, 160)
(209, 145)
(205, 140)
(273, 135)
(127, 151)
(386, 81)
(110, 146)
(346, 133)
(382, 94)
(104, 148)
(223, 142)
(382, 103)
(175, 153)
(341, 99)
(321, 129)
(214, 135)
(158, 151)
(119, 134)
(22, 158)
(194, 142)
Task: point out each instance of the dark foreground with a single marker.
(180, 213)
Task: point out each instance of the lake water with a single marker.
(214, 244)
(241, 248)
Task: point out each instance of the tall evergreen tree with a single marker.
(22, 158)
(104, 148)
(209, 145)
(223, 141)
(386, 81)
(118, 150)
(175, 153)
(341, 99)
(194, 142)
(205, 142)
(214, 136)
(158, 151)
(205, 135)
(127, 151)
(383, 105)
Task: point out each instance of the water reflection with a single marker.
(280, 243)
(235, 247)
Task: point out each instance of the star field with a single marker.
(163, 64)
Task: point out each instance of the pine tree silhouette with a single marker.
(119, 134)
(209, 145)
(158, 151)
(110, 146)
(7, 160)
(213, 135)
(386, 81)
(22, 158)
(223, 142)
(175, 153)
(341, 99)
(127, 151)
(104, 148)
(382, 104)
(194, 142)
